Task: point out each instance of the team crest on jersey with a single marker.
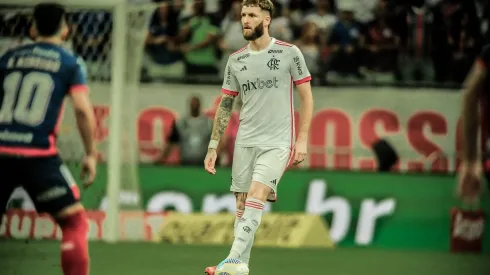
(273, 64)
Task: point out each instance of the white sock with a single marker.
(246, 227)
(239, 214)
(245, 258)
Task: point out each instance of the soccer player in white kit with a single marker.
(262, 74)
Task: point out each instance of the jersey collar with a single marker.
(273, 40)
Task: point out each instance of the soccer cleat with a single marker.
(210, 270)
(230, 266)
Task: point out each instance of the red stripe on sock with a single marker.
(254, 205)
(254, 202)
(258, 208)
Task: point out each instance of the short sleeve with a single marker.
(484, 58)
(230, 83)
(78, 82)
(299, 70)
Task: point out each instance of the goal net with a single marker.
(109, 35)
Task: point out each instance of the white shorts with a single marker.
(264, 165)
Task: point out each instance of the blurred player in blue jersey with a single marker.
(35, 79)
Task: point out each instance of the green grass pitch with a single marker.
(42, 258)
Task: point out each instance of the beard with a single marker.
(257, 32)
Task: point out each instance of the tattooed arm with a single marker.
(222, 117)
(230, 90)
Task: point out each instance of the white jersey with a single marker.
(264, 81)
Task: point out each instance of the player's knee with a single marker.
(259, 191)
(73, 219)
(259, 197)
(70, 210)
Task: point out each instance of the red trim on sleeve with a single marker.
(303, 80)
(79, 88)
(228, 92)
(482, 63)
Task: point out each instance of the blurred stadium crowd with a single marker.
(381, 40)
(357, 41)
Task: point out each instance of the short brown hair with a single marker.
(262, 4)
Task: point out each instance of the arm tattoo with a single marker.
(222, 116)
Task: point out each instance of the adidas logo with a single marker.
(243, 69)
(274, 182)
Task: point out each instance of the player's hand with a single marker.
(469, 182)
(210, 161)
(299, 152)
(89, 170)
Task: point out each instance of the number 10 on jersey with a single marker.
(33, 92)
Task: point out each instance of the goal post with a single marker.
(115, 128)
(122, 57)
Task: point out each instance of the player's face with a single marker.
(195, 106)
(253, 22)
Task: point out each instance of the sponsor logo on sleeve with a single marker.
(243, 56)
(228, 76)
(298, 65)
